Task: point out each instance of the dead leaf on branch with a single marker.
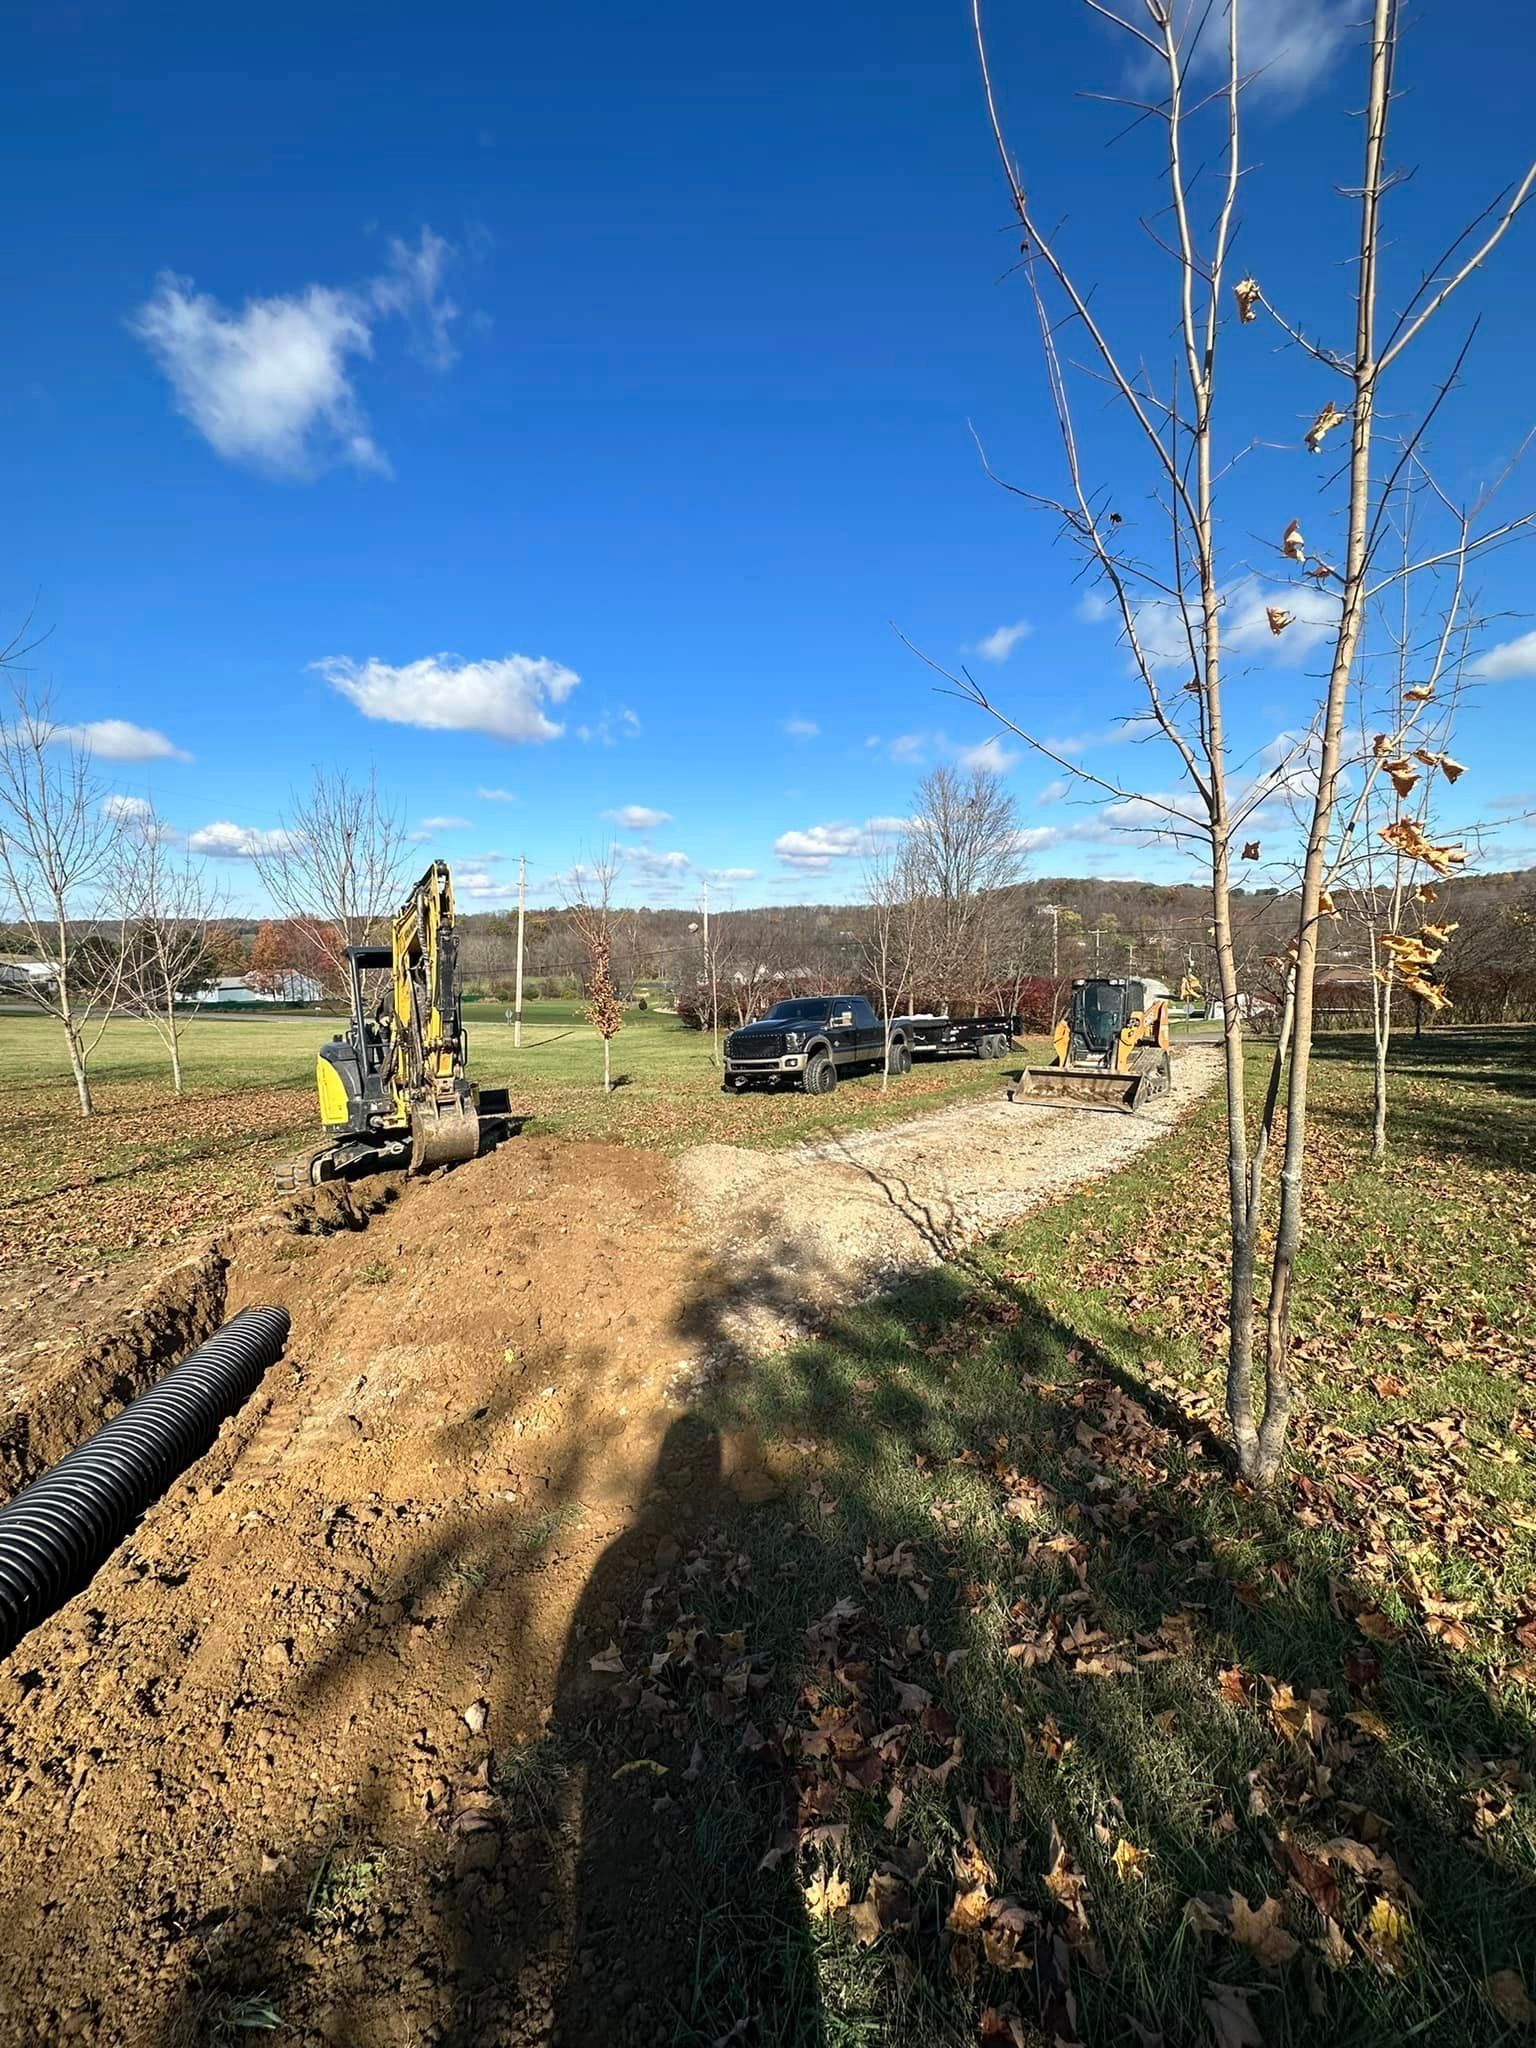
(1329, 418)
(1279, 618)
(1250, 849)
(1247, 294)
(1292, 546)
(1420, 693)
(1404, 776)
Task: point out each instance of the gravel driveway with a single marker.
(794, 1232)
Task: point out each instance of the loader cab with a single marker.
(1101, 1009)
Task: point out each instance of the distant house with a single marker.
(20, 973)
(239, 990)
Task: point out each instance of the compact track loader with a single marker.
(1111, 1050)
(392, 1089)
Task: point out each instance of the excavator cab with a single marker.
(392, 1089)
(1110, 1051)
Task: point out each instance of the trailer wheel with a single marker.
(820, 1075)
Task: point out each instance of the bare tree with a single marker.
(891, 934)
(591, 917)
(168, 911)
(58, 839)
(1172, 610)
(337, 863)
(961, 851)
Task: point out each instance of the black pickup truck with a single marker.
(810, 1042)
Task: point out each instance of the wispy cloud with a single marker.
(1508, 661)
(506, 698)
(638, 817)
(271, 385)
(115, 739)
(445, 824)
(223, 840)
(1287, 47)
(498, 796)
(999, 645)
(800, 728)
(610, 728)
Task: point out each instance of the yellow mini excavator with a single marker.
(1111, 1049)
(392, 1089)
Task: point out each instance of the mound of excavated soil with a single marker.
(280, 1756)
(276, 1669)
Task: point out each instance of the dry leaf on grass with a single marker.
(826, 1894)
(1259, 1930)
(1386, 1937)
(1232, 2022)
(1129, 1860)
(1507, 1994)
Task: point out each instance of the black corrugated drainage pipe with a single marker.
(56, 1531)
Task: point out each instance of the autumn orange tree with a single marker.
(1186, 605)
(591, 918)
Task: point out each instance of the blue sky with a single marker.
(598, 380)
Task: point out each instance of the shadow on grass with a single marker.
(941, 1606)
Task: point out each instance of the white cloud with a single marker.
(1033, 837)
(475, 883)
(733, 874)
(654, 866)
(497, 796)
(504, 698)
(225, 841)
(812, 851)
(908, 746)
(126, 808)
(999, 645)
(1054, 791)
(114, 739)
(445, 824)
(1093, 607)
(1287, 46)
(271, 385)
(1509, 660)
(991, 757)
(638, 817)
(801, 728)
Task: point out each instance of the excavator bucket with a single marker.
(1083, 1087)
(443, 1133)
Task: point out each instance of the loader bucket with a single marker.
(1081, 1087)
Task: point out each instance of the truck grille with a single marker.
(754, 1045)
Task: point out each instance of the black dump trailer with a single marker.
(981, 1038)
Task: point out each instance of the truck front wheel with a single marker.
(901, 1059)
(820, 1075)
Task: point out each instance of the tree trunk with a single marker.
(1381, 1034)
(607, 1066)
(173, 1041)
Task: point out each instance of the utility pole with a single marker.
(1095, 949)
(1053, 912)
(709, 969)
(522, 905)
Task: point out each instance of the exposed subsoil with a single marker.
(277, 1756)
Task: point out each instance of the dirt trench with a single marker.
(256, 1762)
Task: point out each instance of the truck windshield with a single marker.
(802, 1012)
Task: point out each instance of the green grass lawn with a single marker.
(149, 1168)
(1098, 1748)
